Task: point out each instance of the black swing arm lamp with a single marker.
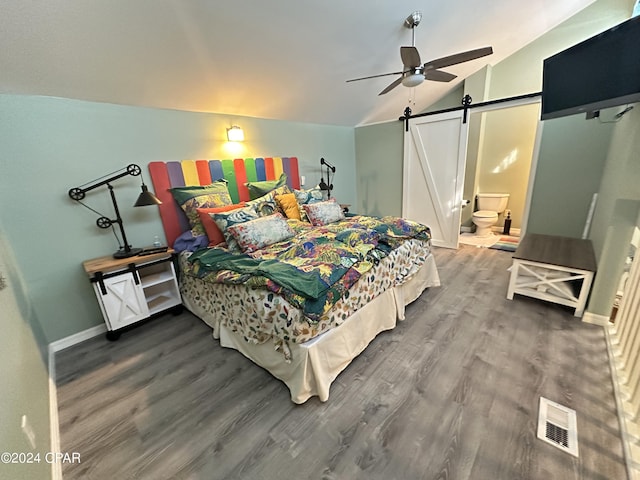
(328, 186)
(145, 198)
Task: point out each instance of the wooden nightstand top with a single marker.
(109, 264)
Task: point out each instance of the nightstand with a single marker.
(132, 289)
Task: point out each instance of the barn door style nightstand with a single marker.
(132, 289)
(555, 269)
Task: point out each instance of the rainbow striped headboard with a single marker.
(238, 172)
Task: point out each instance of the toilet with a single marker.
(489, 206)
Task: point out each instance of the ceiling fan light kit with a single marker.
(412, 79)
(414, 72)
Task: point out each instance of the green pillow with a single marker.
(193, 197)
(182, 194)
(258, 189)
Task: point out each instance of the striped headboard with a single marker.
(238, 172)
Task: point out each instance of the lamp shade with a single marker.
(235, 134)
(146, 198)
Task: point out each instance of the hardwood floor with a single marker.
(451, 393)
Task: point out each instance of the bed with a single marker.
(305, 306)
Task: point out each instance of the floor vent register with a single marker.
(557, 426)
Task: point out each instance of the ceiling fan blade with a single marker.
(391, 86)
(375, 76)
(458, 58)
(410, 57)
(439, 76)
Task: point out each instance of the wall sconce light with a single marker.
(235, 134)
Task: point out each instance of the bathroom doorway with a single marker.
(501, 158)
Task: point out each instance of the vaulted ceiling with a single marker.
(283, 59)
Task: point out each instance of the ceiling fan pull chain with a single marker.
(412, 97)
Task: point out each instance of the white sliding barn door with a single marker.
(435, 149)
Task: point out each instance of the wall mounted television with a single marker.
(601, 72)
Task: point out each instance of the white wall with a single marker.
(23, 372)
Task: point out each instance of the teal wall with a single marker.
(379, 158)
(23, 371)
(48, 145)
(617, 211)
(572, 155)
(379, 165)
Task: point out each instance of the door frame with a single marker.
(519, 102)
(483, 108)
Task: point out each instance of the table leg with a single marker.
(513, 279)
(584, 293)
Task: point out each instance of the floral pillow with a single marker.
(226, 220)
(201, 196)
(303, 197)
(322, 213)
(258, 189)
(266, 204)
(256, 234)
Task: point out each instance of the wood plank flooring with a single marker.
(451, 393)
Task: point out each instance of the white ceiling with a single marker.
(280, 59)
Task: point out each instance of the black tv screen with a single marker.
(601, 72)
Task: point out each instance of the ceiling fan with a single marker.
(414, 72)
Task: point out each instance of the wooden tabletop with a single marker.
(109, 264)
(553, 250)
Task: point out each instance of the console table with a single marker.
(555, 269)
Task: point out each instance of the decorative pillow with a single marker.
(225, 220)
(303, 197)
(266, 204)
(258, 189)
(289, 205)
(322, 213)
(210, 227)
(186, 241)
(201, 196)
(256, 234)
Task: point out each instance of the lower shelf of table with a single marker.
(551, 283)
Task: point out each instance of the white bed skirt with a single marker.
(316, 363)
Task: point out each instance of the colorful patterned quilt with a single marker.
(314, 269)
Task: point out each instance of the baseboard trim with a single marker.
(595, 319)
(54, 423)
(76, 338)
(514, 232)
